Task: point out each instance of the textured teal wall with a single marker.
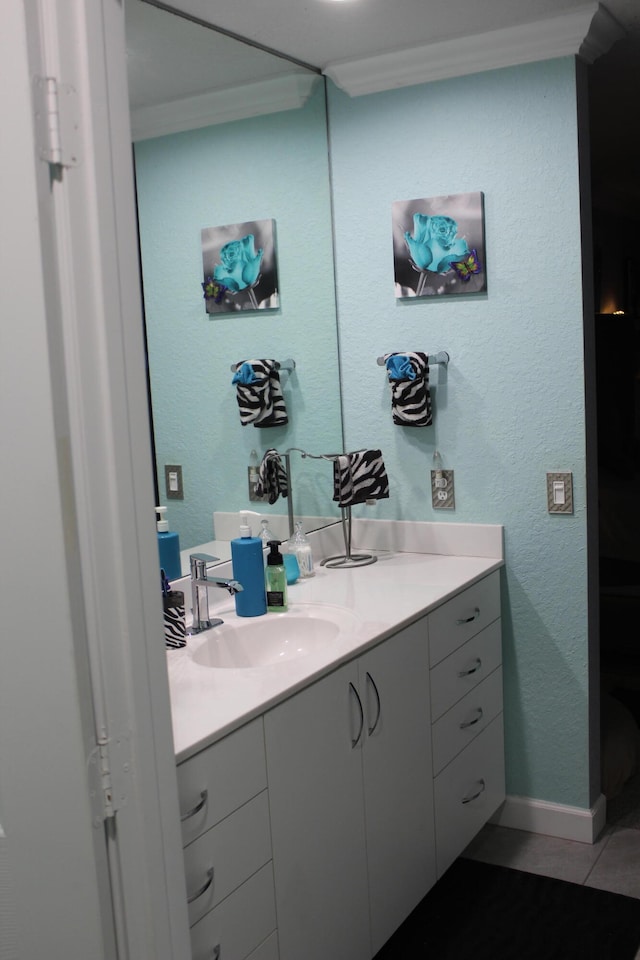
(270, 167)
(511, 405)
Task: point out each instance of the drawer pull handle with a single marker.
(470, 723)
(204, 887)
(196, 809)
(474, 669)
(474, 796)
(354, 743)
(474, 616)
(375, 690)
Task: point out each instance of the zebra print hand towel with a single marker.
(259, 393)
(358, 477)
(408, 375)
(272, 477)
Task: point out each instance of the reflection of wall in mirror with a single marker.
(269, 167)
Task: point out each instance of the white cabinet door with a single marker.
(317, 821)
(394, 687)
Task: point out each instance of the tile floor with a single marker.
(611, 863)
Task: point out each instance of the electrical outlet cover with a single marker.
(442, 491)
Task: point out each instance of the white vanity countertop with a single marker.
(208, 703)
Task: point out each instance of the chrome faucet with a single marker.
(200, 583)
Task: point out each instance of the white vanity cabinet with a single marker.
(337, 809)
(465, 647)
(349, 769)
(227, 848)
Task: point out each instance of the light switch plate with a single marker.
(442, 491)
(560, 492)
(173, 481)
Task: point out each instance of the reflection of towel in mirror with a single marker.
(359, 476)
(272, 477)
(408, 375)
(259, 393)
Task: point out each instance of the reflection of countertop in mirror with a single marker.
(220, 549)
(401, 587)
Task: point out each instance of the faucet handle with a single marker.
(198, 563)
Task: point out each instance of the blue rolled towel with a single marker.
(400, 367)
(244, 374)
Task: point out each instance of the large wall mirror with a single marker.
(228, 137)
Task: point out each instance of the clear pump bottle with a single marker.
(303, 552)
(265, 533)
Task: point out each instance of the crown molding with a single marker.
(603, 33)
(288, 92)
(559, 36)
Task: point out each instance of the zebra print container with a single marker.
(175, 630)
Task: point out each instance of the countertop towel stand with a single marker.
(347, 559)
(441, 357)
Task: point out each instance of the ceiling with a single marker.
(326, 32)
(368, 45)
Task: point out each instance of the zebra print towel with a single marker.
(358, 477)
(272, 477)
(408, 375)
(259, 393)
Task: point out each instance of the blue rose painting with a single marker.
(439, 245)
(240, 270)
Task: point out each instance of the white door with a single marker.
(317, 821)
(95, 861)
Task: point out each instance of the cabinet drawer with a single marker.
(240, 923)
(464, 669)
(468, 792)
(466, 719)
(267, 950)
(234, 850)
(463, 616)
(220, 779)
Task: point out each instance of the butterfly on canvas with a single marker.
(468, 266)
(213, 290)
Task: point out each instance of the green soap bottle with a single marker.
(275, 579)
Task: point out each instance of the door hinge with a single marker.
(57, 123)
(109, 773)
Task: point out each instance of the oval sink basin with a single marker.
(246, 642)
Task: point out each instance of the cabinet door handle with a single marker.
(471, 723)
(474, 669)
(215, 953)
(474, 616)
(355, 742)
(205, 886)
(474, 796)
(375, 690)
(196, 809)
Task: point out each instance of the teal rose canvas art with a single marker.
(240, 267)
(439, 246)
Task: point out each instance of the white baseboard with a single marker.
(553, 819)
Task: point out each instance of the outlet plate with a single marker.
(560, 492)
(173, 481)
(442, 490)
(252, 476)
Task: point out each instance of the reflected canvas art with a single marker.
(240, 267)
(438, 246)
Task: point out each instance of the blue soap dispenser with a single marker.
(168, 547)
(248, 568)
